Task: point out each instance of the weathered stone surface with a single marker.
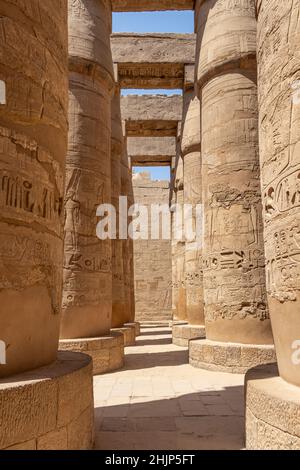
(178, 241)
(107, 352)
(234, 277)
(183, 334)
(151, 151)
(117, 148)
(137, 327)
(129, 334)
(38, 408)
(128, 263)
(152, 60)
(234, 270)
(151, 115)
(152, 5)
(33, 140)
(279, 90)
(146, 151)
(227, 37)
(272, 411)
(236, 358)
(87, 294)
(191, 151)
(152, 258)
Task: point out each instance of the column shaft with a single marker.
(119, 316)
(33, 142)
(87, 296)
(279, 92)
(191, 151)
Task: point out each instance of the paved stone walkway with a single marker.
(159, 402)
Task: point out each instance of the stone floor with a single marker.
(159, 402)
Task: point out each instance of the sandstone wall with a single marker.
(152, 259)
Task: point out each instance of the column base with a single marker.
(137, 327)
(272, 411)
(107, 352)
(229, 357)
(129, 334)
(183, 333)
(50, 408)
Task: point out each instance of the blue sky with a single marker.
(154, 22)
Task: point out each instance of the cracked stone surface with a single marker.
(159, 402)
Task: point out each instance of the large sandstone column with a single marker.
(119, 315)
(193, 272)
(273, 402)
(191, 152)
(236, 308)
(179, 244)
(131, 250)
(279, 93)
(33, 139)
(87, 295)
(130, 328)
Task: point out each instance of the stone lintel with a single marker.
(151, 151)
(151, 115)
(152, 5)
(235, 358)
(152, 60)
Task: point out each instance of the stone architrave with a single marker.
(119, 316)
(236, 310)
(272, 399)
(33, 144)
(87, 290)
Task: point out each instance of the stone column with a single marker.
(191, 153)
(33, 137)
(129, 329)
(178, 241)
(87, 290)
(269, 424)
(33, 145)
(119, 316)
(236, 308)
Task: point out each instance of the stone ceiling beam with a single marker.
(151, 115)
(154, 151)
(152, 60)
(152, 5)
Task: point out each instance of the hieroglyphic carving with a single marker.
(31, 192)
(87, 261)
(234, 268)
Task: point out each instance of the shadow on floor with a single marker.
(199, 421)
(161, 359)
